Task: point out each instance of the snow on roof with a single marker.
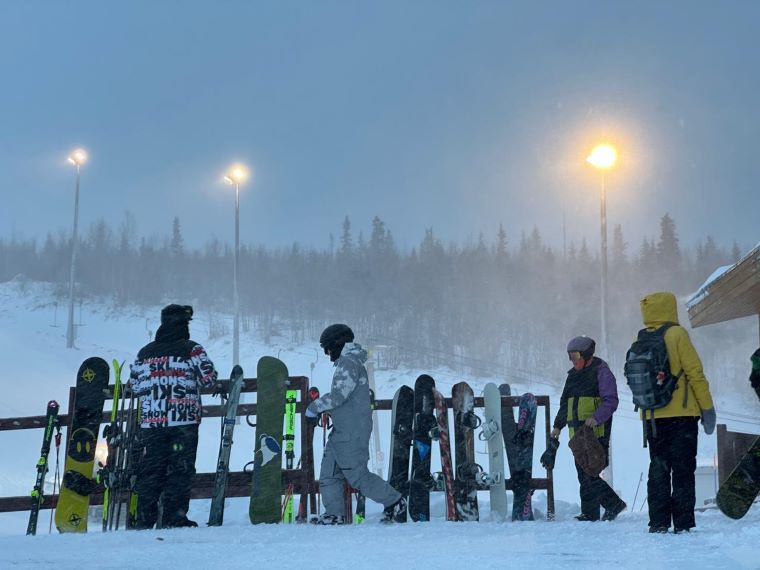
(703, 290)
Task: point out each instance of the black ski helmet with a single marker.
(334, 337)
(584, 345)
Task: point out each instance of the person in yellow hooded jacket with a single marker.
(672, 433)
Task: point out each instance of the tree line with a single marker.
(497, 304)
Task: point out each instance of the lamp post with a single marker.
(236, 176)
(603, 157)
(77, 158)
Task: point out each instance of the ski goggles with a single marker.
(574, 356)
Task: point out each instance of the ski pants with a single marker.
(595, 491)
(352, 468)
(167, 467)
(672, 463)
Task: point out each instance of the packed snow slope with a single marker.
(38, 368)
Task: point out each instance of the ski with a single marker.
(307, 459)
(110, 473)
(38, 492)
(290, 436)
(78, 483)
(216, 513)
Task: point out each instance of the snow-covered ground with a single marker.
(38, 368)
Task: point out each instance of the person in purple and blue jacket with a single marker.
(590, 398)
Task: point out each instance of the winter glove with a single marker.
(708, 420)
(522, 437)
(548, 457)
(220, 389)
(312, 418)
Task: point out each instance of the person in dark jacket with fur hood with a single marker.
(589, 398)
(167, 376)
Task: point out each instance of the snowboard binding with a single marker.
(490, 429)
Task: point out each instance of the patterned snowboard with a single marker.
(78, 484)
(522, 508)
(424, 420)
(441, 433)
(465, 422)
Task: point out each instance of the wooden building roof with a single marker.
(735, 293)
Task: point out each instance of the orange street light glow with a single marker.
(603, 156)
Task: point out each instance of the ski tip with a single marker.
(237, 370)
(505, 390)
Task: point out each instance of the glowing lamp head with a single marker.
(603, 156)
(78, 157)
(237, 174)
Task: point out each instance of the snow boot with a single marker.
(612, 514)
(395, 513)
(329, 520)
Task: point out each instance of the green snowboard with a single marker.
(739, 491)
(266, 487)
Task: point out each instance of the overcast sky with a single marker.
(455, 115)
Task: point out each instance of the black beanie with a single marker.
(176, 314)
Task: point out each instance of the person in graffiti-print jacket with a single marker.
(167, 376)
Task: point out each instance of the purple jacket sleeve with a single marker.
(608, 393)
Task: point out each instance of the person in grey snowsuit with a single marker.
(347, 451)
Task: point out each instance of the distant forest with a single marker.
(501, 304)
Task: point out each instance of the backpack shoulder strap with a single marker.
(664, 328)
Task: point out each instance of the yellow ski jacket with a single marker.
(658, 309)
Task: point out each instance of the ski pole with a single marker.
(633, 506)
(57, 476)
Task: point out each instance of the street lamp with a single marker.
(604, 157)
(236, 175)
(77, 158)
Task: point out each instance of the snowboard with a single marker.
(508, 429)
(441, 433)
(38, 492)
(266, 484)
(522, 508)
(491, 433)
(402, 419)
(424, 420)
(465, 422)
(216, 513)
(738, 492)
(90, 395)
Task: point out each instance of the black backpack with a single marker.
(647, 370)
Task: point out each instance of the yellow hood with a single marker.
(658, 309)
